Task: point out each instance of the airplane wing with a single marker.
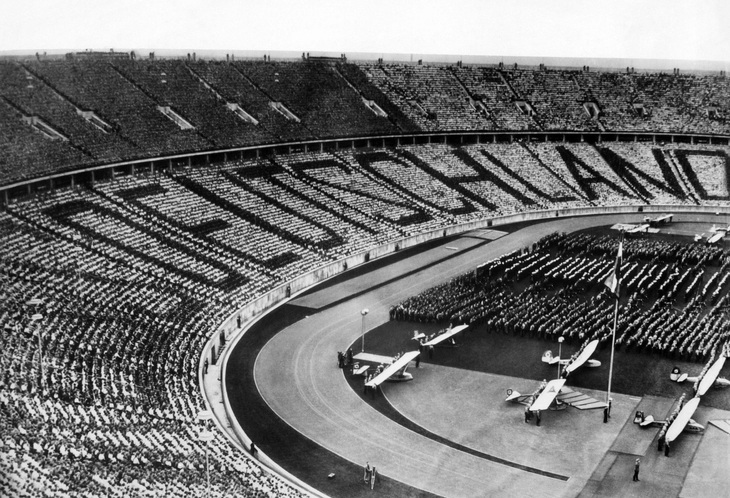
(682, 419)
(717, 236)
(639, 228)
(711, 376)
(446, 335)
(579, 400)
(400, 364)
(583, 357)
(547, 396)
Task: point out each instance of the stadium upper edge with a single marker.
(597, 63)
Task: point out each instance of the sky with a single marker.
(626, 29)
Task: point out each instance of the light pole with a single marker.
(206, 436)
(560, 353)
(364, 312)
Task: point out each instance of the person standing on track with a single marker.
(636, 469)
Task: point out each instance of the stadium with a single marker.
(206, 258)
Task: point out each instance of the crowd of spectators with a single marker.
(31, 96)
(684, 103)
(173, 84)
(27, 153)
(109, 111)
(555, 97)
(358, 181)
(127, 278)
(490, 87)
(318, 95)
(124, 300)
(129, 109)
(234, 86)
(556, 289)
(430, 96)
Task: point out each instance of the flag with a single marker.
(612, 282)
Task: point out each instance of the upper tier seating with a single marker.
(293, 101)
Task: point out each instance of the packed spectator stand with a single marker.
(128, 278)
(102, 111)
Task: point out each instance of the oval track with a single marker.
(296, 375)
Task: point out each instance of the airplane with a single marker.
(639, 228)
(396, 371)
(446, 335)
(683, 424)
(661, 220)
(716, 237)
(554, 395)
(718, 233)
(645, 421)
(417, 336)
(683, 421)
(579, 361)
(710, 379)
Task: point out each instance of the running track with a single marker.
(295, 375)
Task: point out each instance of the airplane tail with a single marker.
(512, 395)
(676, 375)
(547, 357)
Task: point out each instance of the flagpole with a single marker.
(613, 345)
(617, 273)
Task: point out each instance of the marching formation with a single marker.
(674, 298)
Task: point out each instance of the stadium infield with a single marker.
(302, 412)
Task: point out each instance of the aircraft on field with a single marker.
(554, 395)
(718, 233)
(449, 334)
(639, 228)
(688, 425)
(572, 364)
(710, 379)
(661, 220)
(684, 422)
(396, 371)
